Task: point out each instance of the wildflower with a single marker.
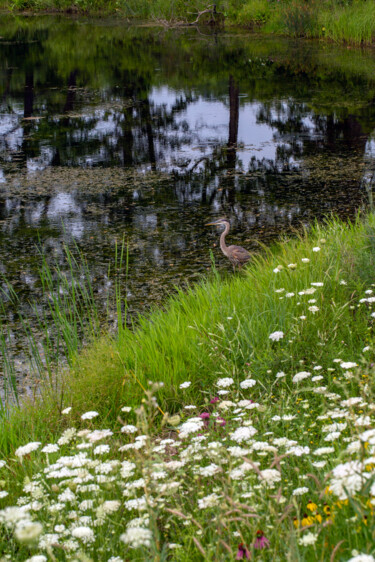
(289, 295)
(37, 558)
(126, 409)
(270, 476)
(66, 411)
(191, 426)
(305, 260)
(324, 451)
(225, 382)
(242, 552)
(278, 269)
(276, 336)
(248, 383)
(51, 448)
(348, 365)
(347, 478)
(85, 534)
(3, 494)
(316, 249)
(101, 449)
(185, 384)
(89, 415)
(300, 491)
(342, 282)
(261, 541)
(208, 501)
(209, 470)
(27, 531)
(243, 434)
(98, 435)
(307, 520)
(308, 539)
(129, 429)
(300, 376)
(136, 537)
(311, 506)
(67, 436)
(332, 436)
(313, 309)
(292, 266)
(280, 290)
(27, 449)
(317, 284)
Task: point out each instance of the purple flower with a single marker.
(214, 400)
(242, 552)
(261, 541)
(204, 416)
(221, 421)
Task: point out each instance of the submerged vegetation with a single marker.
(351, 21)
(236, 423)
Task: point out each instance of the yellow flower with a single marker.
(307, 520)
(318, 517)
(311, 506)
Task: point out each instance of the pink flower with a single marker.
(221, 421)
(242, 552)
(214, 400)
(205, 416)
(261, 541)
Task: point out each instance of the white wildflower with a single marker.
(209, 501)
(27, 449)
(300, 491)
(348, 365)
(51, 448)
(185, 384)
(308, 539)
(248, 383)
(276, 336)
(129, 429)
(225, 382)
(89, 415)
(243, 434)
(300, 376)
(136, 537)
(85, 534)
(28, 531)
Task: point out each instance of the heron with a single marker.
(237, 255)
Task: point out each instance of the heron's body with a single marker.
(237, 255)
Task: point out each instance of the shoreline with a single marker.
(352, 25)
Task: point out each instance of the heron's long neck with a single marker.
(223, 245)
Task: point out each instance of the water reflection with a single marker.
(145, 135)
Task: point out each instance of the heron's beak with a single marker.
(211, 224)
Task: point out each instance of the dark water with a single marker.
(110, 131)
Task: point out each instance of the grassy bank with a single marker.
(352, 21)
(259, 442)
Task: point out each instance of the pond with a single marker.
(111, 132)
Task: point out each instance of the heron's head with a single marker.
(219, 222)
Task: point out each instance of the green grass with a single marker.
(218, 329)
(351, 22)
(220, 326)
